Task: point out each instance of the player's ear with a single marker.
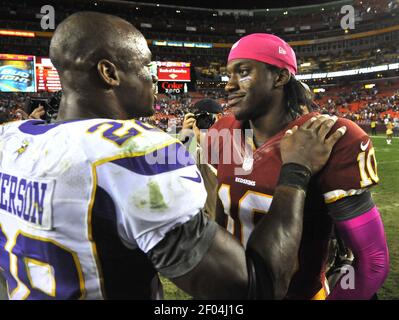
(282, 78)
(108, 73)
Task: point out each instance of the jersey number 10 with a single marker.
(368, 174)
(242, 221)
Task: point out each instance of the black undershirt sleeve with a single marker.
(183, 247)
(350, 207)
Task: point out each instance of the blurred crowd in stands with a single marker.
(362, 106)
(170, 109)
(359, 104)
(17, 106)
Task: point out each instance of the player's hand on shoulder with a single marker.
(308, 146)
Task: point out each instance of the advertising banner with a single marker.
(172, 87)
(174, 71)
(17, 73)
(47, 78)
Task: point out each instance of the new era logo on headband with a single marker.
(281, 51)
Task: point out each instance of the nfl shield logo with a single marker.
(247, 164)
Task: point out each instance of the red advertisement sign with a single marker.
(172, 87)
(47, 78)
(173, 73)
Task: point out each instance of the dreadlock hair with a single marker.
(296, 95)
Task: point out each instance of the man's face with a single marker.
(249, 89)
(137, 89)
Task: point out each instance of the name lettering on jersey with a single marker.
(245, 181)
(27, 199)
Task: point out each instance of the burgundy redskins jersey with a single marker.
(246, 184)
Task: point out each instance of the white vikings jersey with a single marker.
(81, 202)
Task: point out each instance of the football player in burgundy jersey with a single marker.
(266, 99)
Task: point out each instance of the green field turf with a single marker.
(386, 196)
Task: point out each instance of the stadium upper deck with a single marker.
(314, 31)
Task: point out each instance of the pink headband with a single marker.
(265, 48)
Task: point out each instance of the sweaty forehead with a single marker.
(233, 65)
(141, 49)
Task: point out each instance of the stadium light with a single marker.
(368, 9)
(351, 72)
(16, 33)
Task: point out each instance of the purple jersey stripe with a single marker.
(172, 157)
(36, 127)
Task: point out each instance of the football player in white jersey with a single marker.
(93, 205)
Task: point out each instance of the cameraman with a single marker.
(44, 108)
(206, 113)
(20, 114)
(37, 113)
